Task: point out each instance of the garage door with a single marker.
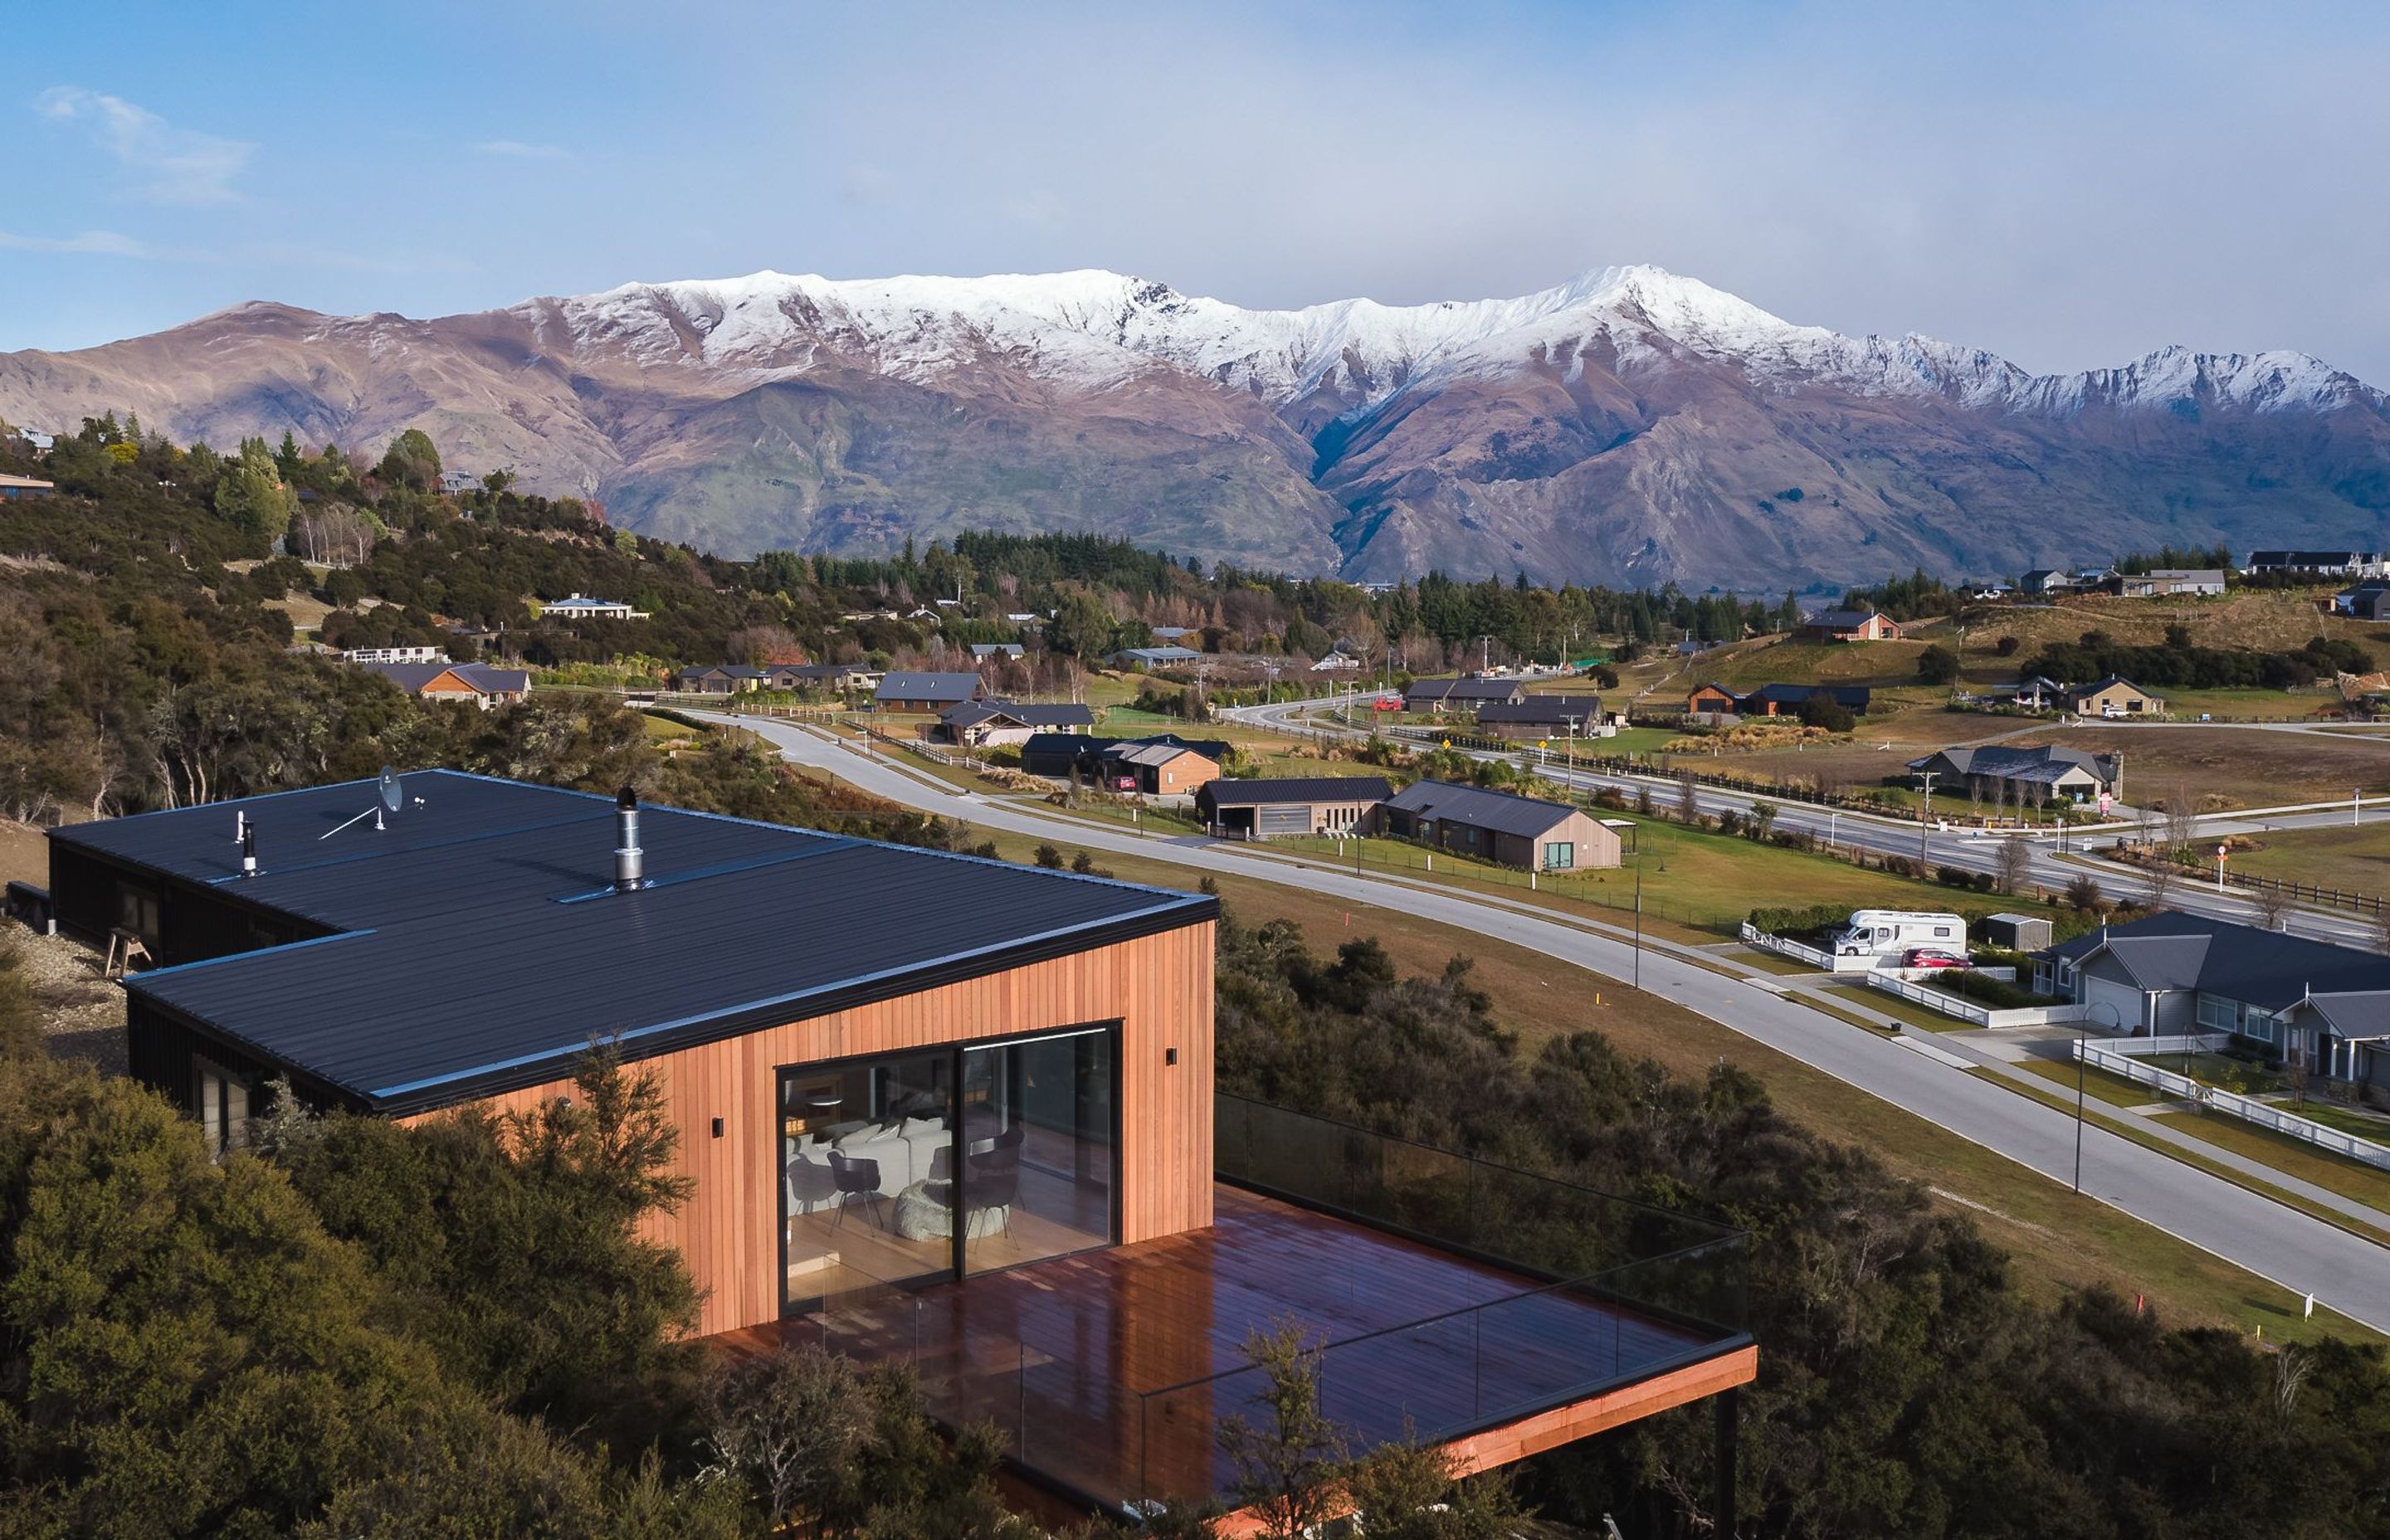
(2114, 1008)
(1282, 820)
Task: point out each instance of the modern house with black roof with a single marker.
(994, 724)
(1257, 809)
(1443, 695)
(2302, 1001)
(1539, 716)
(949, 1111)
(1501, 827)
(903, 690)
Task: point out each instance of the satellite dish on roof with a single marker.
(391, 796)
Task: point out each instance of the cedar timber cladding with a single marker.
(1158, 987)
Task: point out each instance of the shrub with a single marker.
(1937, 665)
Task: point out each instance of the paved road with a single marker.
(2050, 867)
(2299, 1252)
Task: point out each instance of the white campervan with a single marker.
(1892, 932)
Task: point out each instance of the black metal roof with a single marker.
(1480, 807)
(480, 947)
(1556, 709)
(2172, 950)
(1272, 790)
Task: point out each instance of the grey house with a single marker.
(903, 690)
(2303, 1001)
(1257, 809)
(1500, 826)
(1443, 695)
(2027, 775)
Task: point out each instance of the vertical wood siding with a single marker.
(1160, 989)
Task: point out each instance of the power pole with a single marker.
(1924, 817)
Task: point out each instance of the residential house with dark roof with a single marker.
(2301, 1001)
(1540, 717)
(1156, 767)
(2368, 600)
(1501, 827)
(2319, 564)
(2027, 775)
(961, 1113)
(1002, 724)
(2170, 581)
(1788, 699)
(1267, 807)
(480, 684)
(1848, 625)
(1712, 699)
(911, 690)
(1467, 693)
(2047, 580)
(994, 651)
(1066, 755)
(1144, 657)
(719, 679)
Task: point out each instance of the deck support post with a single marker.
(1728, 1407)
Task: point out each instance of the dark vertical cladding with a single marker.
(194, 921)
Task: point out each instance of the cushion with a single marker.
(915, 1128)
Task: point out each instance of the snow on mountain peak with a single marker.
(1091, 329)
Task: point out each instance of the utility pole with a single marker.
(1571, 722)
(2080, 1060)
(1639, 906)
(1924, 816)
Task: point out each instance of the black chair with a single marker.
(857, 1178)
(994, 1177)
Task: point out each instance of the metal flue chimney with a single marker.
(247, 834)
(630, 862)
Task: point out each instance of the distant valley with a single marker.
(1631, 425)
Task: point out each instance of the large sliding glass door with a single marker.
(917, 1168)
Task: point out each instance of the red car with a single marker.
(1387, 703)
(1925, 956)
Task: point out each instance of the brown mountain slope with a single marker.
(1629, 426)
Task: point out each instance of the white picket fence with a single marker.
(2106, 1056)
(1891, 982)
(1802, 952)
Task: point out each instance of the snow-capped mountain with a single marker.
(1628, 424)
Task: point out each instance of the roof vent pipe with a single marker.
(630, 862)
(246, 833)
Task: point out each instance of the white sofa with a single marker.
(908, 1150)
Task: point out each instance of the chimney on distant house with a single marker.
(630, 862)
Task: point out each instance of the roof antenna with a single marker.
(391, 799)
(630, 862)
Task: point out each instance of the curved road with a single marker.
(2301, 1253)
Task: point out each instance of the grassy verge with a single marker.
(2099, 1084)
(1770, 962)
(1900, 1009)
(2058, 1239)
(2291, 1157)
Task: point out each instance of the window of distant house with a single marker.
(2218, 1015)
(1560, 854)
(2259, 1025)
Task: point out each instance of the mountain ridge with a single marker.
(1629, 424)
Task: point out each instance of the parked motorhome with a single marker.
(1890, 933)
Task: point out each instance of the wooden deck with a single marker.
(1111, 1370)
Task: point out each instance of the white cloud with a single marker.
(104, 243)
(515, 149)
(171, 166)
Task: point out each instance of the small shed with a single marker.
(2017, 932)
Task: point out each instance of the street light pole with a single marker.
(1924, 817)
(1638, 907)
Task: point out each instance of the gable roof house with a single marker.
(1788, 699)
(581, 607)
(1144, 658)
(2111, 696)
(1156, 767)
(2305, 1001)
(1064, 755)
(958, 1103)
(1848, 625)
(2027, 775)
(829, 677)
(1712, 699)
(2342, 564)
(2368, 600)
(1000, 723)
(1501, 827)
(2166, 582)
(2046, 580)
(1260, 808)
(912, 690)
(1442, 695)
(1540, 717)
(719, 679)
(982, 651)
(481, 683)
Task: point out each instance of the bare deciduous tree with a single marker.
(2272, 905)
(2016, 865)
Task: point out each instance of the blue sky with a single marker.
(2069, 185)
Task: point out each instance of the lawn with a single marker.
(2354, 859)
(2252, 767)
(1900, 1009)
